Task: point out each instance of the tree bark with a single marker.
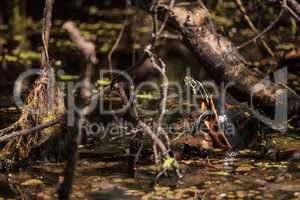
(221, 58)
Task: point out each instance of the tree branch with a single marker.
(221, 58)
(34, 129)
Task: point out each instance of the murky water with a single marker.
(244, 174)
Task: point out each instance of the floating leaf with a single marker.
(103, 82)
(246, 152)
(221, 173)
(11, 58)
(244, 168)
(287, 46)
(93, 10)
(32, 182)
(105, 47)
(145, 95)
(30, 55)
(68, 77)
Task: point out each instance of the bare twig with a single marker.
(156, 32)
(109, 58)
(271, 25)
(294, 7)
(163, 25)
(155, 152)
(154, 21)
(154, 137)
(34, 129)
(164, 87)
(163, 103)
(137, 155)
(255, 38)
(141, 124)
(114, 47)
(252, 26)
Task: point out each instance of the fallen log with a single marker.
(221, 58)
